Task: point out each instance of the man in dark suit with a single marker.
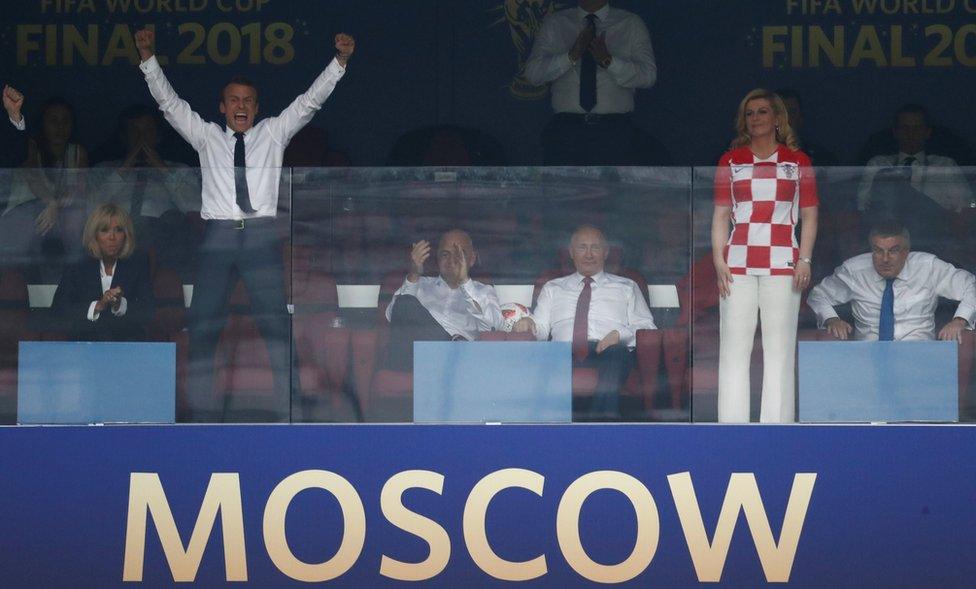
(108, 296)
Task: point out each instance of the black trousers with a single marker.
(613, 367)
(253, 251)
(410, 322)
(577, 140)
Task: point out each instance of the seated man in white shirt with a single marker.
(936, 176)
(598, 312)
(914, 281)
(448, 307)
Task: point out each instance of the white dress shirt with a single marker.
(106, 285)
(19, 125)
(628, 43)
(466, 310)
(166, 189)
(936, 176)
(616, 303)
(264, 143)
(917, 287)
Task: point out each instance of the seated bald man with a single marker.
(894, 291)
(598, 312)
(450, 306)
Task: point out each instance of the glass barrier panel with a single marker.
(910, 226)
(118, 254)
(355, 230)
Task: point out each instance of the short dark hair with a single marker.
(912, 109)
(889, 227)
(787, 93)
(240, 81)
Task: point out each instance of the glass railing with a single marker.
(322, 287)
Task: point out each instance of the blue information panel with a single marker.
(506, 382)
(879, 381)
(96, 382)
(481, 506)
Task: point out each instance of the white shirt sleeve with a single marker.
(92, 315)
(123, 307)
(548, 59)
(832, 290)
(176, 110)
(302, 109)
(958, 285)
(542, 315)
(638, 317)
(407, 288)
(484, 306)
(640, 70)
(19, 125)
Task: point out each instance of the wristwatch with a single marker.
(807, 260)
(606, 62)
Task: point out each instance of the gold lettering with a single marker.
(898, 59)
(353, 533)
(648, 526)
(819, 43)
(476, 536)
(25, 42)
(223, 495)
(86, 47)
(771, 46)
(742, 492)
(391, 502)
(867, 46)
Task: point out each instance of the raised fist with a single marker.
(344, 45)
(145, 39)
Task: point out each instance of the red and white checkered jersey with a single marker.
(765, 196)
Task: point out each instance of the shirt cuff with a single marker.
(149, 66)
(19, 125)
(968, 313)
(409, 288)
(827, 316)
(123, 307)
(92, 315)
(628, 337)
(335, 69)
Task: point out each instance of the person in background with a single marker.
(596, 56)
(934, 176)
(763, 185)
(155, 192)
(45, 204)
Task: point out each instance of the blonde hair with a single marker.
(99, 220)
(784, 132)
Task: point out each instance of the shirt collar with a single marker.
(230, 132)
(101, 268)
(601, 14)
(597, 278)
(902, 156)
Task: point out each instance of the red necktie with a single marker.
(580, 350)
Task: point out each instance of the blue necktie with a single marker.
(886, 326)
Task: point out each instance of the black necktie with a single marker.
(587, 97)
(139, 191)
(240, 175)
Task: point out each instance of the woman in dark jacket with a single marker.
(108, 297)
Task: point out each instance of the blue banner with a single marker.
(455, 506)
(459, 61)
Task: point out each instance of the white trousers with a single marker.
(772, 301)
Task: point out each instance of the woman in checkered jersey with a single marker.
(763, 185)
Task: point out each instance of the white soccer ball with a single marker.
(511, 313)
